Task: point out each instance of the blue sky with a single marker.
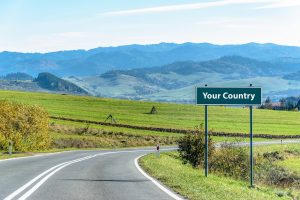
(51, 25)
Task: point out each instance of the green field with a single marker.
(224, 119)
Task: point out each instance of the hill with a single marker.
(175, 82)
(45, 82)
(53, 83)
(103, 59)
(19, 76)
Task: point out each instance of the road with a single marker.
(107, 174)
(99, 174)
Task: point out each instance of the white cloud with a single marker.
(282, 4)
(184, 7)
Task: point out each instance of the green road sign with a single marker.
(228, 96)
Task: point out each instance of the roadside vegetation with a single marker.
(276, 170)
(87, 137)
(23, 126)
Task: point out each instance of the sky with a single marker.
(52, 25)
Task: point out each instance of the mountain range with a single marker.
(162, 72)
(103, 59)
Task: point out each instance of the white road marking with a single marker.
(18, 191)
(36, 186)
(57, 168)
(166, 190)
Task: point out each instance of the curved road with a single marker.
(105, 174)
(99, 174)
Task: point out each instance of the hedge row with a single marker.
(181, 131)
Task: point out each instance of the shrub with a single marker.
(273, 156)
(192, 148)
(231, 160)
(268, 172)
(26, 126)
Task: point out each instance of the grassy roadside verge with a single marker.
(192, 184)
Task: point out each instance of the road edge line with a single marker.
(159, 185)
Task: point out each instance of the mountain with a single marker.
(53, 83)
(176, 81)
(45, 82)
(19, 76)
(103, 59)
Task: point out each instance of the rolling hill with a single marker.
(45, 82)
(176, 81)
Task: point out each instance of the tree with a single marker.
(268, 100)
(298, 105)
(24, 125)
(282, 102)
(268, 103)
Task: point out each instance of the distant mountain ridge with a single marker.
(103, 59)
(176, 81)
(18, 76)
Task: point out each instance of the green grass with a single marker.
(292, 164)
(147, 132)
(117, 129)
(191, 183)
(169, 115)
(291, 154)
(295, 148)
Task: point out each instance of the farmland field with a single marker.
(169, 115)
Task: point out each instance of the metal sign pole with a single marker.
(251, 148)
(10, 144)
(206, 141)
(251, 145)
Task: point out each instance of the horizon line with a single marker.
(147, 44)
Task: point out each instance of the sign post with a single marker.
(206, 141)
(251, 145)
(251, 148)
(10, 147)
(243, 96)
(157, 151)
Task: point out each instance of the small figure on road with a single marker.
(157, 150)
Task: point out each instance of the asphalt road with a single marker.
(78, 175)
(101, 174)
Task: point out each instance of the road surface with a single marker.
(99, 174)
(106, 174)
